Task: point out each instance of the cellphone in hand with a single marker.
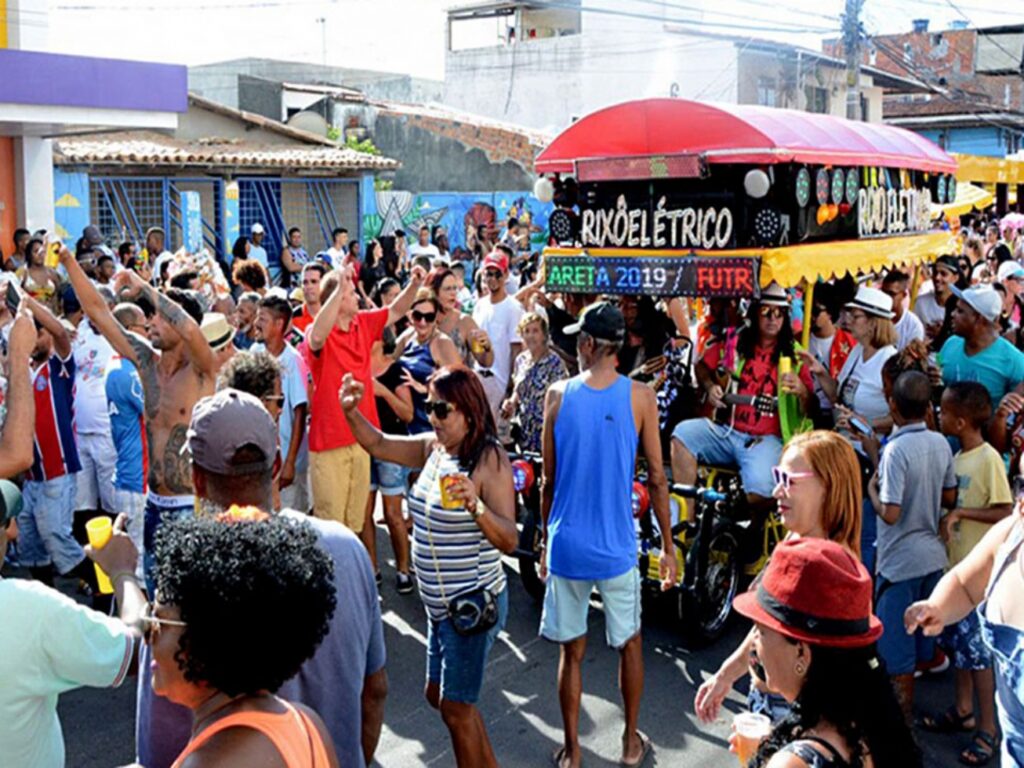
(860, 425)
(12, 298)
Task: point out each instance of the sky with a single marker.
(408, 36)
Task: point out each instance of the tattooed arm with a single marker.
(200, 354)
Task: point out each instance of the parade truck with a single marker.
(675, 198)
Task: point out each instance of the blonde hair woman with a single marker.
(818, 491)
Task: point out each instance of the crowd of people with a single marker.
(240, 417)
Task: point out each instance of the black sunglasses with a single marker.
(438, 408)
(425, 317)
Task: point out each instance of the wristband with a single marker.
(120, 574)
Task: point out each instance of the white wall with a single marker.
(545, 84)
(28, 25)
(33, 182)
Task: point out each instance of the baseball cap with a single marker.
(983, 299)
(217, 330)
(950, 263)
(10, 502)
(257, 228)
(225, 422)
(92, 235)
(602, 321)
(1010, 270)
(498, 260)
(816, 591)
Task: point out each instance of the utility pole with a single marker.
(322, 21)
(851, 47)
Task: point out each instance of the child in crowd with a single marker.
(915, 480)
(984, 498)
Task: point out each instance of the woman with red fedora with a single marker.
(815, 638)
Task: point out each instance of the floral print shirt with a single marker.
(531, 380)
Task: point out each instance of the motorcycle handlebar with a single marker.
(697, 492)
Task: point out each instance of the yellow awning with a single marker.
(968, 197)
(989, 170)
(793, 263)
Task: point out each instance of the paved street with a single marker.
(520, 703)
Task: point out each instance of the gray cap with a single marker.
(10, 501)
(225, 422)
(92, 235)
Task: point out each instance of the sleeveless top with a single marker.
(813, 757)
(294, 736)
(418, 360)
(591, 530)
(450, 552)
(1007, 645)
(461, 344)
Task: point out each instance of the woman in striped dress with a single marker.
(463, 510)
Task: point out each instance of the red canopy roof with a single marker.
(736, 133)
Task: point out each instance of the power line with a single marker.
(746, 16)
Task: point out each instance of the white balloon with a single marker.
(756, 183)
(544, 190)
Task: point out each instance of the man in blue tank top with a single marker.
(592, 424)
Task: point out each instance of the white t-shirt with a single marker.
(50, 644)
(822, 350)
(860, 382)
(908, 328)
(294, 387)
(426, 250)
(928, 309)
(337, 256)
(500, 321)
(92, 356)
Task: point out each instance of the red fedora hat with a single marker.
(816, 591)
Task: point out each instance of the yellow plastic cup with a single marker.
(100, 530)
(447, 502)
(785, 365)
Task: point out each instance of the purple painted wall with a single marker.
(30, 77)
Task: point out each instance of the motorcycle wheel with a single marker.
(704, 614)
(529, 565)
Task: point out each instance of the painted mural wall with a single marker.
(70, 204)
(457, 212)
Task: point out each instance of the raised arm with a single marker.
(408, 451)
(49, 321)
(201, 354)
(97, 311)
(19, 430)
(403, 302)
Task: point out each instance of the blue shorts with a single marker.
(567, 603)
(898, 650)
(712, 443)
(159, 509)
(44, 525)
(389, 478)
(456, 662)
(965, 645)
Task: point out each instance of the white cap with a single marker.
(983, 299)
(257, 228)
(1009, 269)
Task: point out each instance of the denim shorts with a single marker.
(772, 705)
(898, 650)
(44, 525)
(567, 603)
(389, 478)
(965, 645)
(456, 662)
(755, 455)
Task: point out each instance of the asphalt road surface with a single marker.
(519, 701)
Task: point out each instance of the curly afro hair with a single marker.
(256, 598)
(252, 372)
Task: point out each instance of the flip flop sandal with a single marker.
(645, 750)
(976, 753)
(558, 756)
(950, 721)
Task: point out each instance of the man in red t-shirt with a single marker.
(339, 342)
(751, 439)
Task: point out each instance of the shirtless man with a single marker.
(177, 368)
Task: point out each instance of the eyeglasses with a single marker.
(277, 400)
(774, 313)
(151, 623)
(785, 479)
(493, 274)
(438, 408)
(423, 317)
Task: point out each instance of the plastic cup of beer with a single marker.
(751, 729)
(447, 481)
(785, 365)
(476, 346)
(100, 530)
